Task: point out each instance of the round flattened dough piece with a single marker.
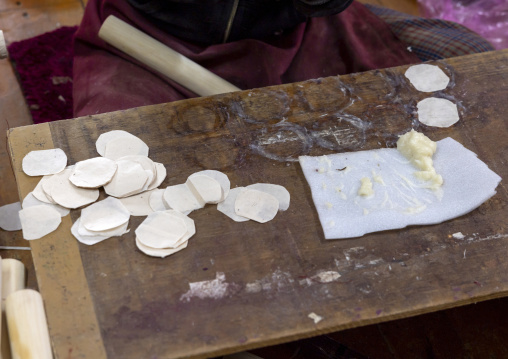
(160, 175)
(220, 177)
(181, 198)
(139, 204)
(103, 215)
(156, 252)
(125, 146)
(44, 162)
(161, 230)
(437, 112)
(39, 192)
(30, 200)
(228, 205)
(145, 162)
(427, 78)
(9, 217)
(256, 205)
(205, 188)
(38, 221)
(113, 232)
(129, 178)
(88, 240)
(93, 173)
(278, 191)
(156, 202)
(104, 138)
(64, 193)
(189, 224)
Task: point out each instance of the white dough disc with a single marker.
(155, 252)
(161, 230)
(89, 238)
(93, 173)
(220, 177)
(437, 112)
(104, 138)
(278, 191)
(205, 188)
(9, 217)
(139, 204)
(145, 162)
(103, 215)
(129, 178)
(427, 78)
(189, 224)
(30, 200)
(256, 205)
(155, 200)
(125, 146)
(149, 178)
(113, 232)
(64, 193)
(39, 192)
(228, 205)
(160, 175)
(44, 162)
(38, 221)
(181, 198)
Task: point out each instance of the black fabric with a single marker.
(205, 22)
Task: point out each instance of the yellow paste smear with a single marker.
(366, 187)
(419, 149)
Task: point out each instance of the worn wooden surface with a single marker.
(265, 273)
(20, 20)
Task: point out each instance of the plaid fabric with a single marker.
(432, 39)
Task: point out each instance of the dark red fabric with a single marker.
(44, 65)
(106, 80)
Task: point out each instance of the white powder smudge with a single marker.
(326, 277)
(316, 318)
(253, 287)
(278, 280)
(215, 289)
(305, 281)
(352, 250)
(458, 235)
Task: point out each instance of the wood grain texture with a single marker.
(60, 273)
(21, 20)
(33, 21)
(267, 273)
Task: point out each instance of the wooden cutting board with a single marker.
(246, 285)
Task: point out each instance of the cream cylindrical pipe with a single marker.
(13, 279)
(3, 46)
(27, 325)
(161, 58)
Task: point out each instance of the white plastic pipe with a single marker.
(13, 279)
(161, 58)
(27, 324)
(3, 46)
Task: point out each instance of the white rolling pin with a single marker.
(3, 46)
(13, 279)
(28, 328)
(161, 58)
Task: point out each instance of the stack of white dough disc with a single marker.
(131, 180)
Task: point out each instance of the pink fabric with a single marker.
(107, 80)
